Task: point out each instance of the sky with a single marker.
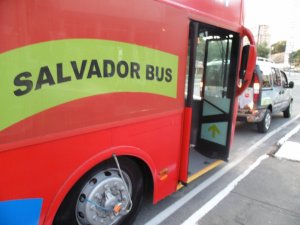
(283, 18)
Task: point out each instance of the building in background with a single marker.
(281, 18)
(263, 35)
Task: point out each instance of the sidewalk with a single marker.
(270, 194)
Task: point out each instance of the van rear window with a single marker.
(265, 76)
(276, 77)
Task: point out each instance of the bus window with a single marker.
(198, 85)
(199, 58)
(217, 67)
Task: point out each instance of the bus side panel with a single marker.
(161, 139)
(222, 13)
(41, 171)
(144, 33)
(44, 154)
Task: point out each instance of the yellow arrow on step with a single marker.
(214, 130)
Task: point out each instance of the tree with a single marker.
(294, 58)
(278, 47)
(263, 50)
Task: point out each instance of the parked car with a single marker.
(269, 92)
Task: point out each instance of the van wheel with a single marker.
(288, 112)
(100, 197)
(264, 125)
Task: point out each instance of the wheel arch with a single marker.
(141, 158)
(270, 107)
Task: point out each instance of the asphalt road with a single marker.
(248, 145)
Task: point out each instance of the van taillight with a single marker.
(256, 87)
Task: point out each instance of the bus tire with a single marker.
(264, 125)
(288, 112)
(100, 196)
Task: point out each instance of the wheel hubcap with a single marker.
(104, 199)
(267, 121)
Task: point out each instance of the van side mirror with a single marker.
(291, 84)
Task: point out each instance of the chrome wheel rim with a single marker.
(104, 199)
(267, 121)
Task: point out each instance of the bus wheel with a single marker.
(101, 197)
(264, 125)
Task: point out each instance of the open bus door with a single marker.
(210, 94)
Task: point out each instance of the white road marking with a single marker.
(221, 195)
(159, 218)
(288, 135)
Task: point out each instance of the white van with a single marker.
(269, 92)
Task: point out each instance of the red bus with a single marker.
(102, 101)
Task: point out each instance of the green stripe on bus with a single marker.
(40, 76)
